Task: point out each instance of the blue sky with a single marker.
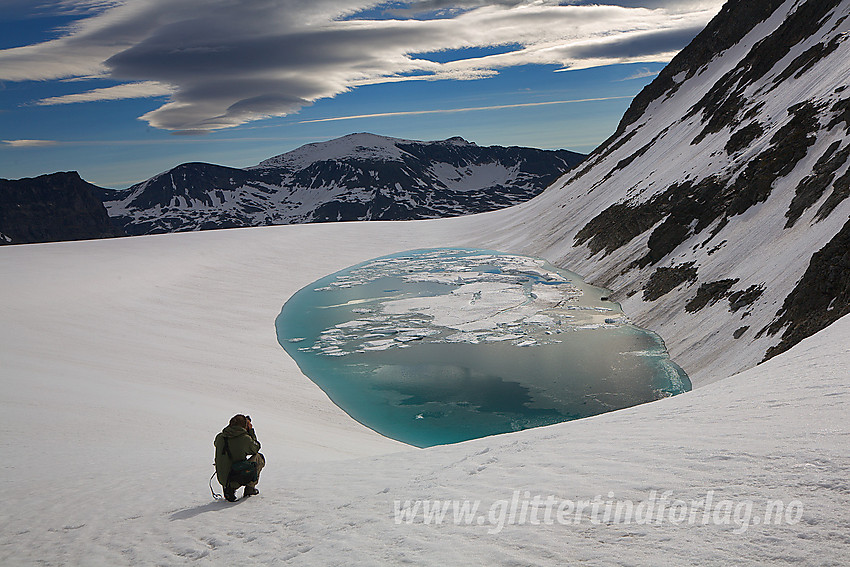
(121, 90)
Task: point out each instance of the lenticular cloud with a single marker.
(224, 63)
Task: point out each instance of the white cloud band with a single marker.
(29, 143)
(224, 63)
(457, 110)
(144, 89)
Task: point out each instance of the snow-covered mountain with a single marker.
(718, 210)
(357, 177)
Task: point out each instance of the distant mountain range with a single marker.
(356, 177)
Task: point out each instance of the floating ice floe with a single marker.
(451, 296)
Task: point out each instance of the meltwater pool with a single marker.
(444, 345)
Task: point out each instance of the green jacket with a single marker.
(241, 443)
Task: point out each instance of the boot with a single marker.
(230, 494)
(249, 491)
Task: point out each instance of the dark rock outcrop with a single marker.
(664, 280)
(710, 293)
(821, 298)
(50, 208)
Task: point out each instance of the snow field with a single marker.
(123, 358)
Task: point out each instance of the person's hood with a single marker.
(233, 431)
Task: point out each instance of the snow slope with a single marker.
(122, 358)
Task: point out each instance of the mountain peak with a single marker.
(457, 140)
(362, 145)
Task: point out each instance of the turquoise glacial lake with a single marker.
(440, 346)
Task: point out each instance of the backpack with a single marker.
(242, 472)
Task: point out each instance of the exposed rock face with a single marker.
(724, 192)
(664, 280)
(821, 298)
(49, 208)
(357, 177)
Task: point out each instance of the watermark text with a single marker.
(656, 509)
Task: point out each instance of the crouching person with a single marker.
(238, 461)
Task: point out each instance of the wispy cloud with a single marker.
(30, 143)
(225, 63)
(456, 110)
(227, 140)
(145, 89)
(640, 74)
